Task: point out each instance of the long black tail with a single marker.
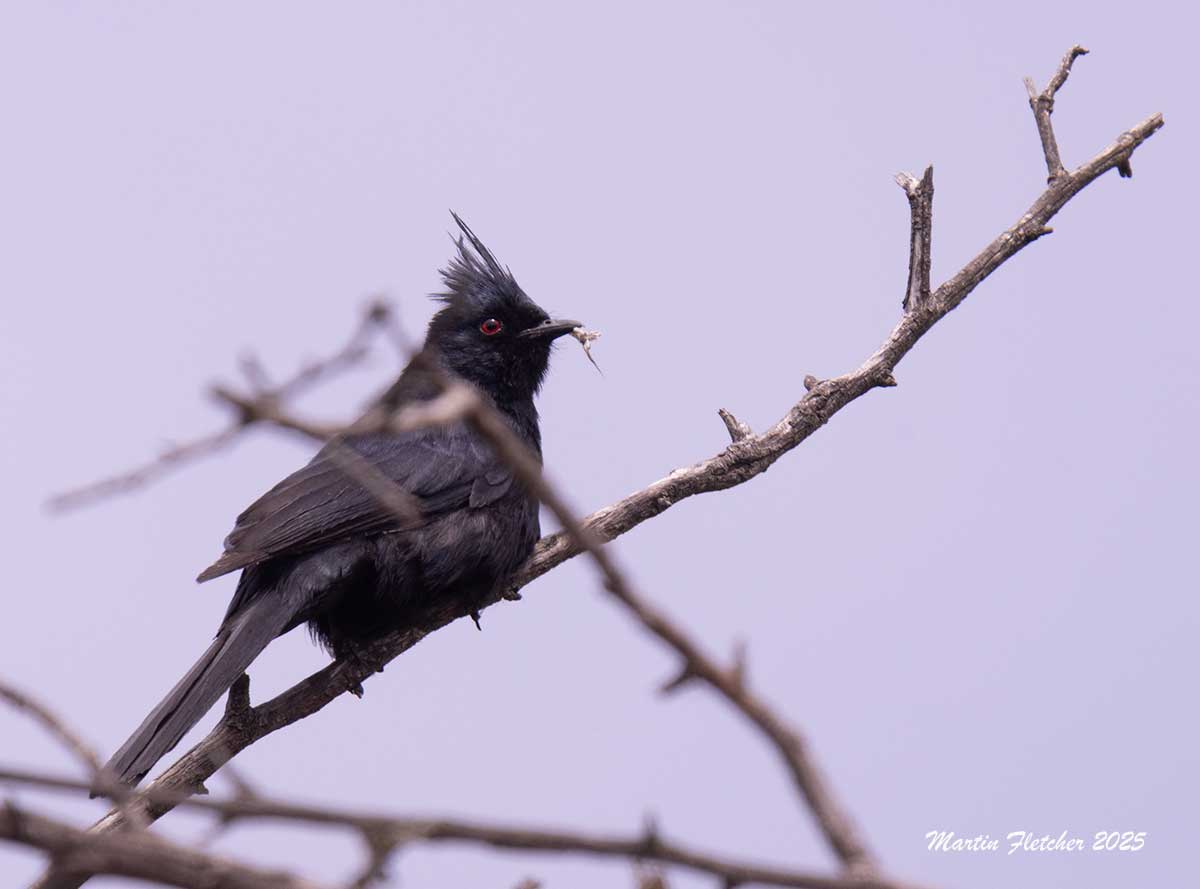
(241, 639)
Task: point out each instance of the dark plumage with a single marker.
(320, 549)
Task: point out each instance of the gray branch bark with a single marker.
(920, 249)
(1043, 106)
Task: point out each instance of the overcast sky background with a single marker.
(975, 592)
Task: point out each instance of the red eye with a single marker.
(491, 327)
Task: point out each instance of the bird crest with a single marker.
(474, 277)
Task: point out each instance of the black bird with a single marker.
(320, 549)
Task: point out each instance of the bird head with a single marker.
(488, 331)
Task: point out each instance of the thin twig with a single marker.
(55, 725)
(171, 458)
(263, 406)
(79, 748)
(920, 202)
(267, 408)
(1043, 106)
(391, 496)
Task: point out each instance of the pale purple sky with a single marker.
(975, 592)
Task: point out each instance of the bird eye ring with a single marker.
(491, 327)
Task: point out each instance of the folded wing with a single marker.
(444, 469)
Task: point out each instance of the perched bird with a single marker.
(320, 548)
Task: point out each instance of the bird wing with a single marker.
(443, 468)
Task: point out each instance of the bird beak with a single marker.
(550, 329)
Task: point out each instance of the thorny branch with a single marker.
(747, 456)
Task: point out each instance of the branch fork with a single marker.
(1042, 105)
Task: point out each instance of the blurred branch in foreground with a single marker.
(261, 407)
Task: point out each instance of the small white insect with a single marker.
(586, 337)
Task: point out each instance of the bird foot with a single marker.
(360, 663)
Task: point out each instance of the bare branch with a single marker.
(137, 854)
(262, 407)
(390, 495)
(1043, 106)
(266, 407)
(83, 751)
(834, 822)
(391, 832)
(678, 681)
(243, 790)
(42, 714)
(920, 202)
(171, 458)
(378, 315)
(380, 843)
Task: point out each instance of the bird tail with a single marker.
(241, 639)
